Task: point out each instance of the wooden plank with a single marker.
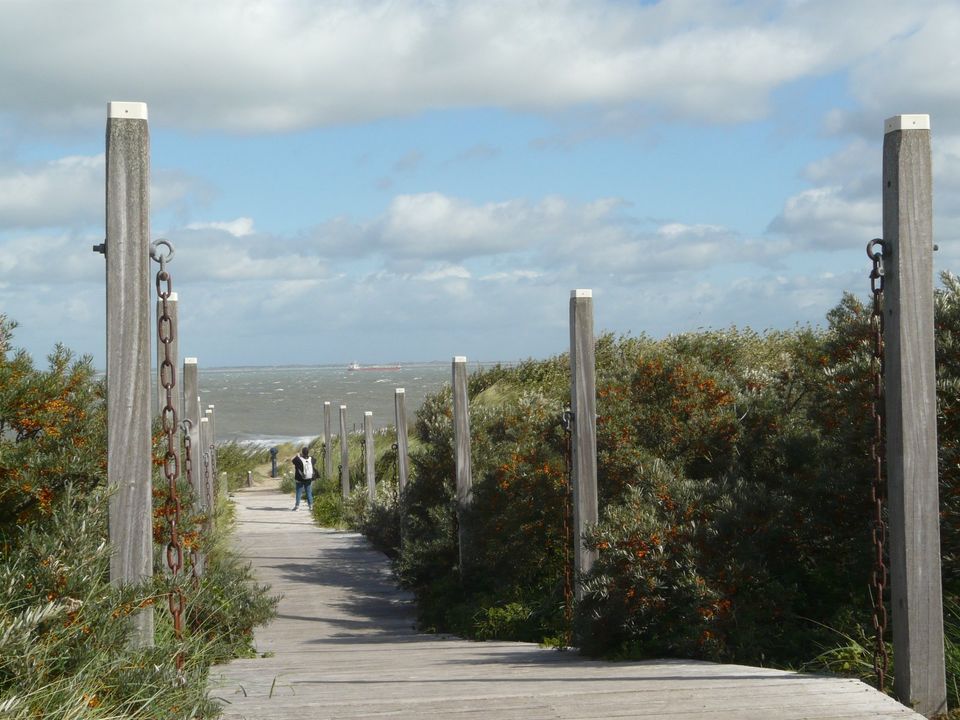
(128, 351)
(344, 645)
(583, 402)
(911, 415)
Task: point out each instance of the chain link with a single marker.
(567, 419)
(186, 426)
(166, 334)
(878, 583)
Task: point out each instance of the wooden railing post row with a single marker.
(461, 441)
(344, 454)
(911, 415)
(400, 413)
(128, 352)
(370, 455)
(327, 447)
(583, 403)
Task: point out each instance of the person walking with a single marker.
(304, 472)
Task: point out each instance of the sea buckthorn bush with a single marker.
(64, 630)
(734, 479)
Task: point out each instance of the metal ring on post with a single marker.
(155, 251)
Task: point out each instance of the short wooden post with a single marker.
(344, 454)
(911, 415)
(370, 455)
(583, 402)
(207, 484)
(249, 478)
(128, 352)
(191, 412)
(399, 396)
(461, 441)
(327, 446)
(174, 350)
(219, 483)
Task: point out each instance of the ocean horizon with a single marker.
(271, 405)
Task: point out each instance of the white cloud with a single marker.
(255, 66)
(241, 227)
(69, 192)
(64, 192)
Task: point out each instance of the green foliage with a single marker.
(52, 422)
(235, 460)
(65, 646)
(734, 483)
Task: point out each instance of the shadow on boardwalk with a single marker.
(344, 645)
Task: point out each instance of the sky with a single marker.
(406, 180)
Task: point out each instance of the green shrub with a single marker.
(65, 646)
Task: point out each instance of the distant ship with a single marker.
(358, 366)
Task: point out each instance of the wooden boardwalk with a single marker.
(344, 646)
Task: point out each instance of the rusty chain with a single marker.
(878, 583)
(567, 420)
(166, 334)
(186, 426)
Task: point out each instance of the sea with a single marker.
(267, 406)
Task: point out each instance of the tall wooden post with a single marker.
(400, 412)
(128, 352)
(174, 350)
(344, 454)
(911, 415)
(370, 455)
(583, 402)
(327, 447)
(461, 441)
(191, 412)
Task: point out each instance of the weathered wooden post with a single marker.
(369, 455)
(249, 478)
(191, 412)
(219, 484)
(461, 441)
(207, 484)
(403, 451)
(327, 447)
(911, 415)
(128, 351)
(583, 402)
(174, 349)
(344, 454)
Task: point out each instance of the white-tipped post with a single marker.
(128, 353)
(327, 439)
(344, 454)
(911, 415)
(461, 440)
(583, 403)
(369, 455)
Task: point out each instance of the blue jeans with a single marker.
(301, 486)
